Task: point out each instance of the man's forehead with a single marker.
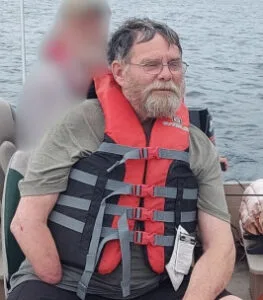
(155, 48)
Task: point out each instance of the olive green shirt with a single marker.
(79, 134)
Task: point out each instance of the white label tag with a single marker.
(176, 278)
(181, 258)
(184, 253)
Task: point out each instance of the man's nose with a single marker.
(165, 73)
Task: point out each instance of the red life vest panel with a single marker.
(124, 127)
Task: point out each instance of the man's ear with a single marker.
(117, 69)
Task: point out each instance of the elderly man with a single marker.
(134, 179)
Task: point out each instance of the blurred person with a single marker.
(71, 54)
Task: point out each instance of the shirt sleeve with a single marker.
(74, 137)
(204, 162)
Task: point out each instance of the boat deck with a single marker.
(239, 285)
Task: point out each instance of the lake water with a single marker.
(222, 42)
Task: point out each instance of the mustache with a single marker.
(163, 86)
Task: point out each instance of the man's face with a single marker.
(154, 94)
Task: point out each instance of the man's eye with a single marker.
(152, 64)
(175, 64)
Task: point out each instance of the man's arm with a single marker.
(29, 226)
(213, 270)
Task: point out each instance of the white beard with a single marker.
(162, 104)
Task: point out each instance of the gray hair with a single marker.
(139, 31)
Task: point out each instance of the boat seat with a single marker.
(255, 265)
(7, 149)
(7, 117)
(12, 254)
(7, 138)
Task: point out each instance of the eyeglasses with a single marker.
(156, 67)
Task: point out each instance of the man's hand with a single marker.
(213, 270)
(29, 226)
(224, 163)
